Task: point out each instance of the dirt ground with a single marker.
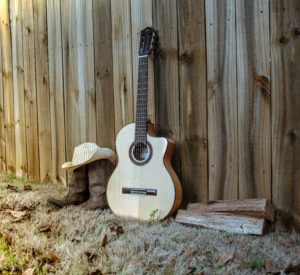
(35, 238)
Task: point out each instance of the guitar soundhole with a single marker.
(140, 153)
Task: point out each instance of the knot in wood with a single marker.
(187, 56)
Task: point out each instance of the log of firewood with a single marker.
(259, 208)
(220, 221)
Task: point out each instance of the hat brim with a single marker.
(101, 153)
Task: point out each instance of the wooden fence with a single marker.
(225, 86)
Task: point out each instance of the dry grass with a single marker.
(77, 241)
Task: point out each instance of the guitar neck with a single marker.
(142, 100)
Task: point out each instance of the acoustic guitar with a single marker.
(144, 185)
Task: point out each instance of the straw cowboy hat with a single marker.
(88, 152)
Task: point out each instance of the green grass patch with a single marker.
(256, 262)
(8, 261)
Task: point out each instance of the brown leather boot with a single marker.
(99, 172)
(78, 191)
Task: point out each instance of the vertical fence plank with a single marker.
(5, 41)
(166, 74)
(42, 84)
(285, 31)
(32, 143)
(18, 85)
(104, 73)
(222, 99)
(56, 90)
(192, 74)
(2, 130)
(122, 62)
(73, 123)
(79, 86)
(141, 17)
(86, 69)
(254, 99)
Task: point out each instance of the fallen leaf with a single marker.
(22, 207)
(225, 258)
(116, 230)
(90, 256)
(27, 187)
(293, 269)
(18, 215)
(103, 240)
(29, 271)
(4, 206)
(268, 265)
(12, 187)
(190, 270)
(45, 228)
(51, 258)
(96, 272)
(8, 239)
(287, 243)
(191, 251)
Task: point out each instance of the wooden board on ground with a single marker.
(193, 118)
(254, 98)
(260, 208)
(104, 73)
(225, 222)
(56, 90)
(285, 53)
(222, 99)
(31, 118)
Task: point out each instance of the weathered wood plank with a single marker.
(86, 69)
(56, 90)
(285, 83)
(42, 85)
(18, 86)
(225, 222)
(9, 127)
(166, 75)
(260, 208)
(2, 129)
(122, 63)
(141, 17)
(78, 66)
(193, 119)
(254, 98)
(32, 143)
(71, 92)
(222, 99)
(104, 73)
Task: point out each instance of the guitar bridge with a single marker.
(139, 191)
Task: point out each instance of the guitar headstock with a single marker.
(148, 41)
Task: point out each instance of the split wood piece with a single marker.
(221, 221)
(259, 208)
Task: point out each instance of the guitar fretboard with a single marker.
(141, 104)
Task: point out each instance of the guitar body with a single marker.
(138, 190)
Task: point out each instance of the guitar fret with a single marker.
(141, 104)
